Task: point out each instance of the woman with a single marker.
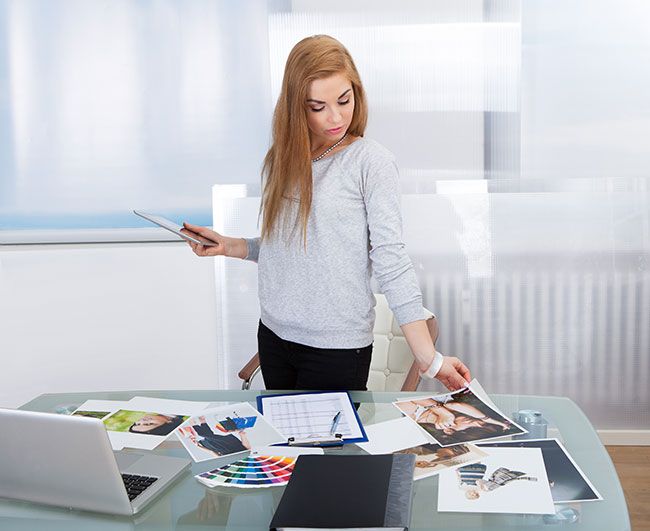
(453, 421)
(330, 211)
(156, 424)
(432, 455)
(451, 416)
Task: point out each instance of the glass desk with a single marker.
(188, 505)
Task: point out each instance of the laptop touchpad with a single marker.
(126, 459)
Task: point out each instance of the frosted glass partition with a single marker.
(442, 78)
(585, 80)
(107, 106)
(110, 106)
(542, 287)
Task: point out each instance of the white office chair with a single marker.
(392, 367)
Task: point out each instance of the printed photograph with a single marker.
(568, 483)
(431, 459)
(507, 480)
(458, 417)
(99, 409)
(93, 414)
(226, 430)
(143, 422)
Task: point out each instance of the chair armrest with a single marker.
(412, 380)
(249, 370)
(432, 325)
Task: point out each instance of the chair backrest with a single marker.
(392, 367)
(392, 360)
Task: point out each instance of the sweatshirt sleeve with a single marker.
(391, 265)
(253, 245)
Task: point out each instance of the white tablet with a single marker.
(173, 227)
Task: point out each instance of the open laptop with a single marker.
(68, 461)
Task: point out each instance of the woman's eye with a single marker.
(319, 109)
(344, 102)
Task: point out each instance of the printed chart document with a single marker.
(313, 418)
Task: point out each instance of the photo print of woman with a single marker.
(431, 459)
(143, 422)
(458, 417)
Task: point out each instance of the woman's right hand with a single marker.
(225, 246)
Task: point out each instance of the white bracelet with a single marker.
(435, 366)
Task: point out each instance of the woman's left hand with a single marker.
(453, 373)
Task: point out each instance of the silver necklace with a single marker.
(329, 149)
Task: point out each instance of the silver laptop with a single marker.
(68, 461)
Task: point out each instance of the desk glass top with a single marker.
(188, 505)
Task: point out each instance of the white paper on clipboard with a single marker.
(307, 416)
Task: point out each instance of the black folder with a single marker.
(347, 492)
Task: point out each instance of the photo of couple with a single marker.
(458, 417)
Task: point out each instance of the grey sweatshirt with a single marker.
(321, 296)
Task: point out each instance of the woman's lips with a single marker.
(334, 131)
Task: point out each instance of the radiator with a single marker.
(575, 333)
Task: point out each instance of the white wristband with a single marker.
(435, 366)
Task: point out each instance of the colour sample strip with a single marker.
(251, 472)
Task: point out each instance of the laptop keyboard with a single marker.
(136, 485)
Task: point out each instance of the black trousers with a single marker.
(289, 365)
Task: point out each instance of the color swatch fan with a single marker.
(253, 471)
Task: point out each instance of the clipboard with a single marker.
(306, 419)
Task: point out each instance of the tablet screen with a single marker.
(173, 227)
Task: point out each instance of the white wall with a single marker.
(105, 317)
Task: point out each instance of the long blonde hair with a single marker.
(287, 166)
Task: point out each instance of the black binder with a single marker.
(347, 492)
